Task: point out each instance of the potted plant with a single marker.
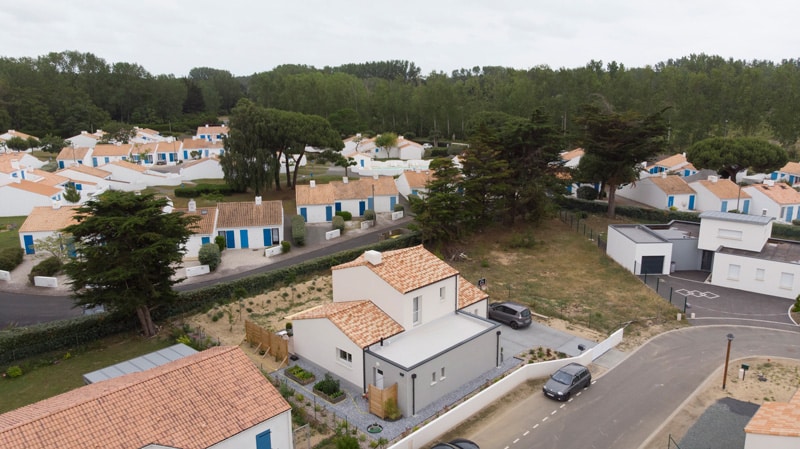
(289, 330)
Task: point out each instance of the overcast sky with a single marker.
(246, 37)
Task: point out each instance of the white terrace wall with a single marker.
(427, 434)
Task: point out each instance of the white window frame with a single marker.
(433, 378)
(734, 271)
(442, 293)
(344, 357)
(416, 305)
(442, 376)
(787, 281)
(760, 273)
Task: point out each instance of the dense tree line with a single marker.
(708, 96)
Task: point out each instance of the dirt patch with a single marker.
(503, 258)
(767, 380)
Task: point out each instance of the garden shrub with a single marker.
(13, 371)
(10, 258)
(220, 242)
(329, 386)
(203, 189)
(796, 307)
(345, 214)
(48, 267)
(399, 208)
(391, 409)
(209, 255)
(338, 223)
(369, 214)
(299, 230)
(285, 246)
(438, 152)
(586, 193)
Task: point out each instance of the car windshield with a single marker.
(525, 313)
(562, 378)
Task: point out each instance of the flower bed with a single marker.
(328, 389)
(299, 375)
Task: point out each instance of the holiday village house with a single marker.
(317, 203)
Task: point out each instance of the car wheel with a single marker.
(514, 325)
(589, 382)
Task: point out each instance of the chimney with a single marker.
(56, 205)
(192, 205)
(373, 257)
(664, 174)
(258, 201)
(769, 182)
(344, 179)
(375, 177)
(15, 164)
(713, 178)
(312, 184)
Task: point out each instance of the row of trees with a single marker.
(708, 96)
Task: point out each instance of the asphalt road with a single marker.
(630, 402)
(26, 309)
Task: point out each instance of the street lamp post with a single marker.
(727, 357)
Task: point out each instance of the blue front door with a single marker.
(204, 240)
(724, 207)
(338, 206)
(789, 212)
(746, 207)
(230, 239)
(691, 202)
(243, 237)
(328, 213)
(371, 202)
(362, 206)
(392, 202)
(670, 201)
(267, 237)
(304, 213)
(29, 244)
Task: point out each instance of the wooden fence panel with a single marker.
(378, 397)
(274, 344)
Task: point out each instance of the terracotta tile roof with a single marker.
(351, 190)
(110, 149)
(50, 179)
(781, 193)
(305, 195)
(194, 144)
(362, 322)
(85, 169)
(212, 130)
(247, 214)
(45, 218)
(144, 148)
(418, 180)
(791, 168)
(35, 187)
(129, 166)
(777, 418)
(384, 185)
(7, 158)
(673, 161)
(469, 293)
(724, 189)
(69, 153)
(14, 133)
(570, 155)
(194, 402)
(406, 269)
(671, 185)
(207, 220)
(169, 147)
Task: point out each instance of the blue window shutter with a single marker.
(205, 240)
(264, 440)
(724, 207)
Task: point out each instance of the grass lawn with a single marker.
(562, 274)
(51, 379)
(9, 238)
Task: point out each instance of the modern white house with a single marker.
(776, 425)
(661, 192)
(44, 222)
(19, 197)
(216, 399)
(775, 199)
(195, 148)
(88, 181)
(719, 194)
(315, 201)
(735, 249)
(11, 133)
(400, 319)
(16, 166)
(213, 133)
(85, 139)
(788, 173)
(69, 156)
(205, 168)
(203, 231)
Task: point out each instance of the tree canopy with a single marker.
(729, 156)
(615, 144)
(127, 250)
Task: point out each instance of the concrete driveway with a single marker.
(515, 341)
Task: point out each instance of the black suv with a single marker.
(566, 381)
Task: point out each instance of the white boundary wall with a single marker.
(45, 281)
(332, 234)
(427, 434)
(197, 271)
(5, 275)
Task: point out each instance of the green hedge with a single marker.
(347, 216)
(48, 267)
(10, 258)
(338, 223)
(203, 189)
(24, 342)
(299, 230)
(29, 341)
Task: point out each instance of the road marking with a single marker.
(526, 433)
(537, 425)
(545, 418)
(593, 382)
(570, 399)
(553, 412)
(563, 405)
(515, 441)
